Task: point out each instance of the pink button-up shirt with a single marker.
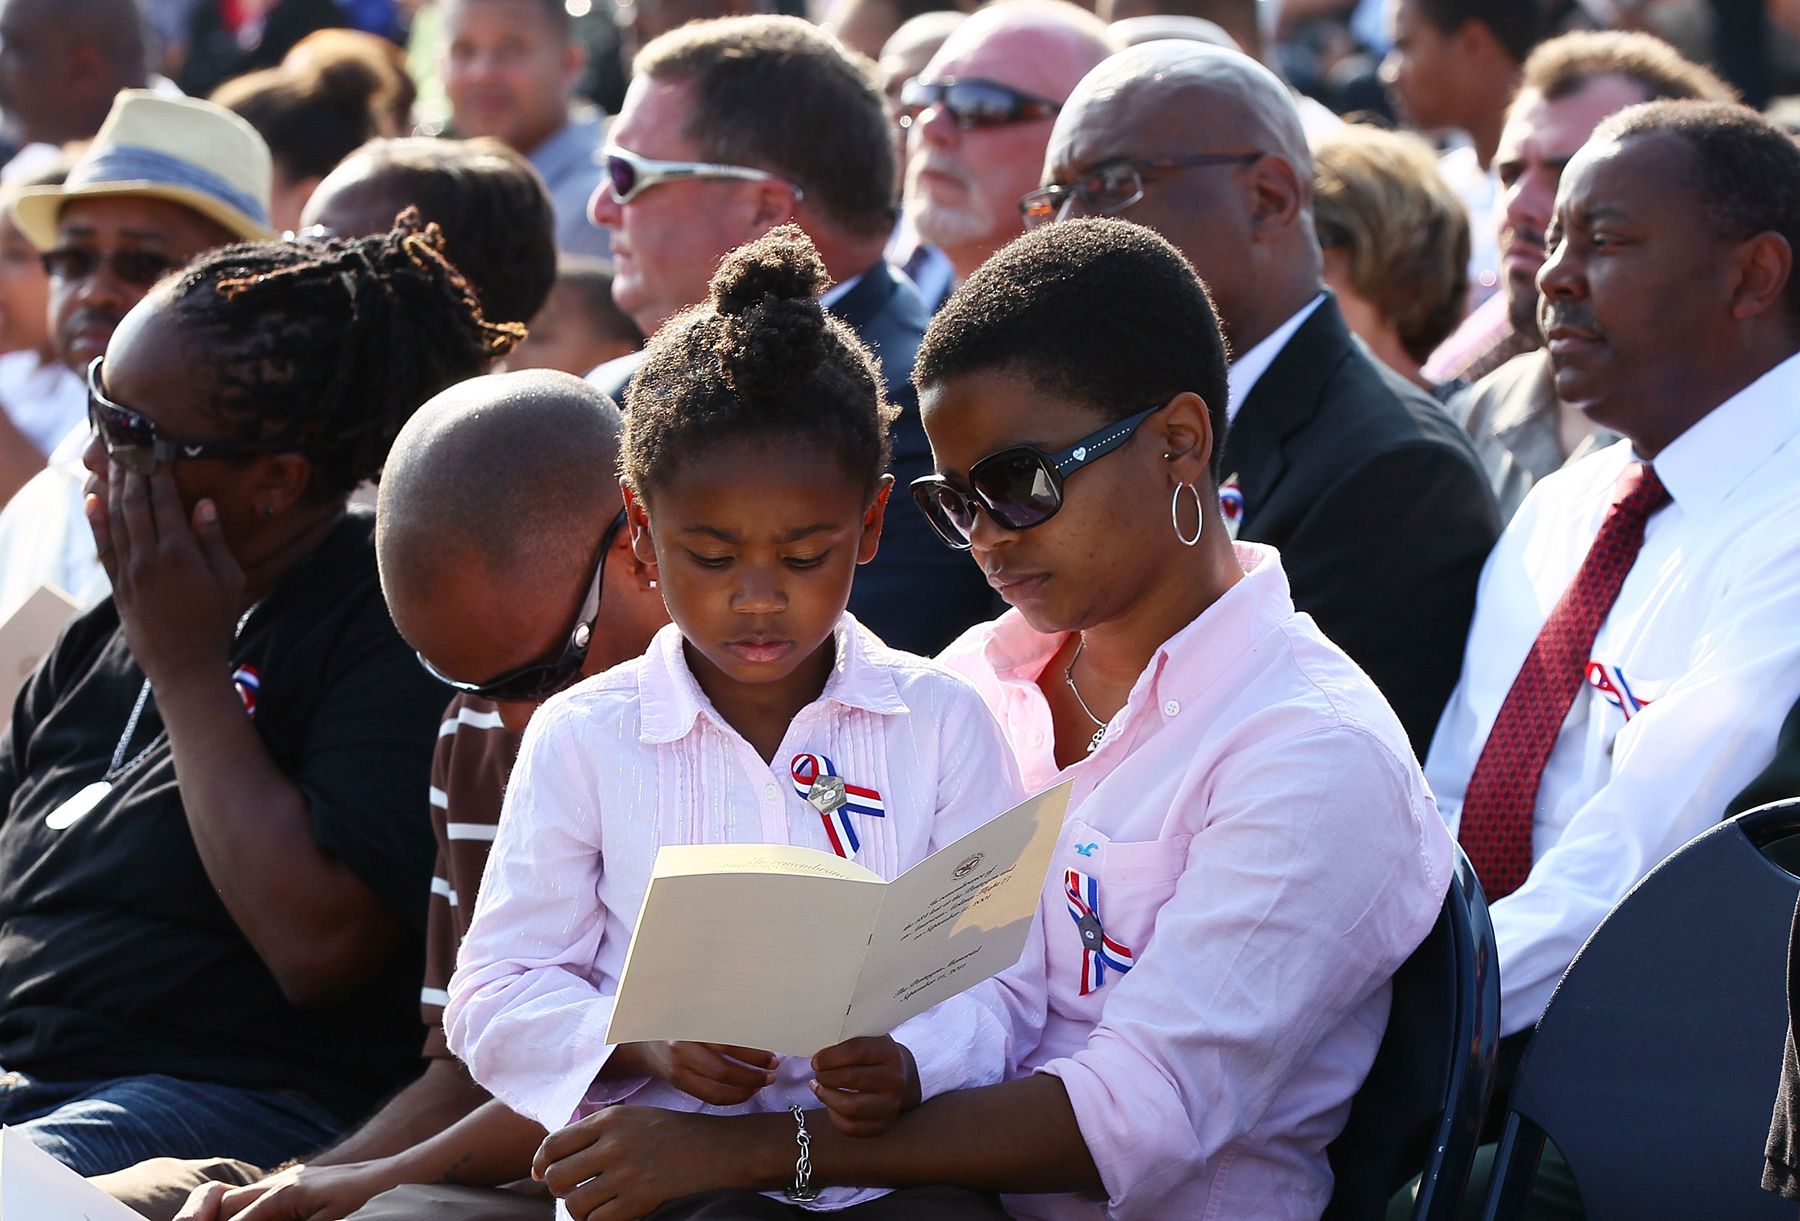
(638, 757)
(1265, 853)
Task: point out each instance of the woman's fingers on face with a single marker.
(94, 508)
(167, 516)
(134, 504)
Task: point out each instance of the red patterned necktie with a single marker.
(1497, 811)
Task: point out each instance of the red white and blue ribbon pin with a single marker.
(1610, 682)
(1231, 504)
(1098, 951)
(248, 682)
(816, 780)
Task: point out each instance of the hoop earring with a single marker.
(1199, 514)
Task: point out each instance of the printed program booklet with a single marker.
(792, 950)
(36, 1187)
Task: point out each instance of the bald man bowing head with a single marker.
(1371, 493)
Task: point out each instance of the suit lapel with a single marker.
(867, 297)
(1284, 400)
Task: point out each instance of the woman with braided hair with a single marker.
(213, 865)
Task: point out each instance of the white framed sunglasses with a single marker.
(628, 175)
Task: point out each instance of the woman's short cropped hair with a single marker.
(1100, 311)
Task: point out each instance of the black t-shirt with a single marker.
(117, 957)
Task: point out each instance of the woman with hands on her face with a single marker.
(213, 860)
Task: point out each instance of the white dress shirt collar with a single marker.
(1703, 465)
(1248, 368)
(672, 700)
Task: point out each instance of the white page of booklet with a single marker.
(792, 950)
(36, 1187)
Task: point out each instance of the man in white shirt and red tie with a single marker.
(1635, 642)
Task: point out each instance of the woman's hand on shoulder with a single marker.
(866, 1083)
(717, 1073)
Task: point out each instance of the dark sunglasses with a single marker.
(972, 102)
(539, 680)
(138, 267)
(132, 440)
(1108, 189)
(1020, 487)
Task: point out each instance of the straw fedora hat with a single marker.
(180, 149)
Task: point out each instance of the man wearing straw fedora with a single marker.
(165, 179)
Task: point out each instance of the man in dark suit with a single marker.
(1371, 493)
(730, 128)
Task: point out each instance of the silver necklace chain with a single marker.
(119, 766)
(1069, 677)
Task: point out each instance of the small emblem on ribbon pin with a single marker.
(816, 779)
(1098, 951)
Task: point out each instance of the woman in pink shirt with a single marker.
(1251, 850)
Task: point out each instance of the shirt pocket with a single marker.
(1107, 894)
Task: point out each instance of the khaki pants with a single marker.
(158, 1187)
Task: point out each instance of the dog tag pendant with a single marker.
(71, 811)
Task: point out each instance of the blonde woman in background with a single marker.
(1396, 241)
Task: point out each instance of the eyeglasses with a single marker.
(972, 102)
(132, 440)
(1108, 189)
(137, 267)
(629, 175)
(538, 680)
(1020, 487)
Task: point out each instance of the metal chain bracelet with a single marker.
(802, 1191)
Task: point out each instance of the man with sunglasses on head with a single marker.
(730, 128)
(1371, 493)
(978, 118)
(165, 179)
(499, 484)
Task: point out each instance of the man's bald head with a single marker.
(65, 61)
(1214, 140)
(1219, 93)
(493, 527)
(513, 469)
(1134, 31)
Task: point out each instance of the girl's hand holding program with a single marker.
(865, 1084)
(712, 1072)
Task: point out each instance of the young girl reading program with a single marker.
(753, 470)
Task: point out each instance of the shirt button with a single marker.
(769, 791)
(1037, 737)
(1171, 707)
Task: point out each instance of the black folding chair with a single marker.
(1419, 1112)
(1655, 1064)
